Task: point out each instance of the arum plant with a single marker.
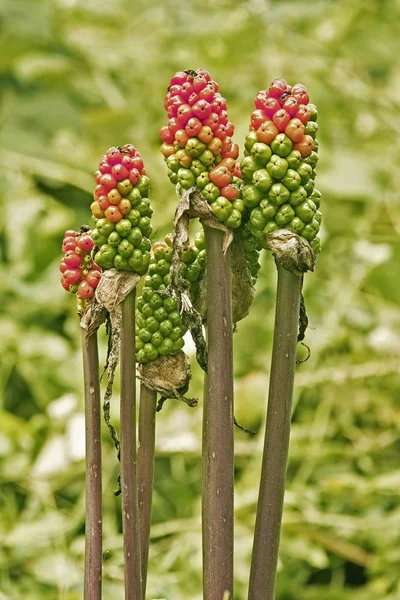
(200, 155)
(163, 368)
(279, 175)
(81, 276)
(122, 212)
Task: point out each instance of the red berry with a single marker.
(113, 156)
(69, 243)
(104, 166)
(230, 192)
(184, 114)
(134, 176)
(72, 276)
(204, 73)
(272, 105)
(179, 78)
(303, 113)
(64, 284)
(108, 181)
(208, 92)
(223, 117)
(193, 98)
(277, 88)
(300, 93)
(93, 278)
(127, 161)
(187, 90)
(212, 121)
(231, 151)
(281, 118)
(119, 172)
(237, 171)
(193, 127)
(199, 83)
(174, 90)
(175, 103)
(98, 175)
(220, 176)
(257, 118)
(99, 190)
(72, 259)
(63, 267)
(85, 243)
(85, 290)
(137, 163)
(173, 125)
(202, 109)
(218, 104)
(291, 106)
(166, 135)
(261, 99)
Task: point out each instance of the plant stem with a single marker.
(276, 446)
(130, 512)
(146, 445)
(93, 508)
(218, 426)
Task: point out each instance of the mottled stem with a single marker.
(93, 505)
(272, 486)
(218, 469)
(146, 447)
(130, 510)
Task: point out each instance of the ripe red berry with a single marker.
(193, 127)
(291, 106)
(113, 156)
(72, 276)
(199, 83)
(85, 290)
(257, 118)
(281, 118)
(277, 88)
(202, 109)
(119, 172)
(93, 278)
(69, 243)
(166, 135)
(64, 284)
(303, 113)
(179, 78)
(85, 243)
(72, 259)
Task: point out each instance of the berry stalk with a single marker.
(145, 465)
(218, 426)
(276, 446)
(93, 502)
(129, 481)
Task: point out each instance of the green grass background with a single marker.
(77, 76)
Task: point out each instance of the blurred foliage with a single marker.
(80, 75)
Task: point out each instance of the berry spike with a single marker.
(281, 154)
(198, 146)
(80, 274)
(122, 211)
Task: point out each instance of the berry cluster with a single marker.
(80, 275)
(197, 144)
(121, 210)
(278, 170)
(159, 328)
